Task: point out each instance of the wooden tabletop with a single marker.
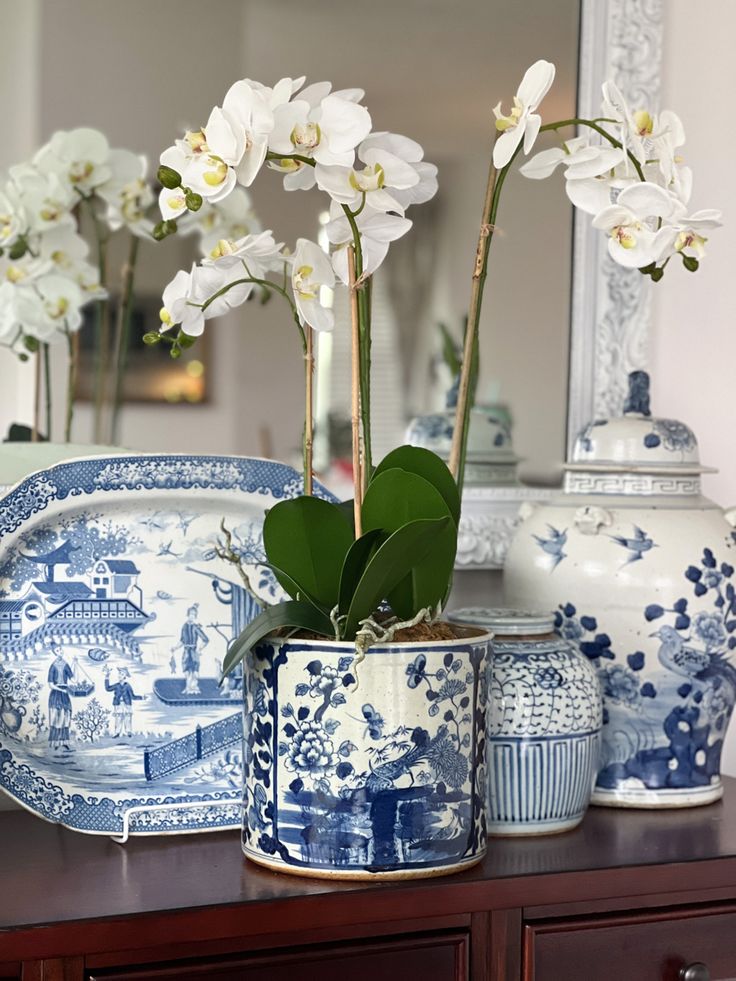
(50, 875)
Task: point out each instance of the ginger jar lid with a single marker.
(505, 622)
(489, 435)
(637, 440)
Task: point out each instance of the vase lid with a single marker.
(489, 435)
(505, 621)
(637, 440)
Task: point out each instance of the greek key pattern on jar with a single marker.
(630, 483)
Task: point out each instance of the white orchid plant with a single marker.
(46, 276)
(364, 570)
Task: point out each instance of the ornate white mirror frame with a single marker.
(610, 305)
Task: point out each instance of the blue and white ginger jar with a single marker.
(640, 569)
(366, 768)
(490, 458)
(544, 724)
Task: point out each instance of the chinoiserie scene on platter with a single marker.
(345, 504)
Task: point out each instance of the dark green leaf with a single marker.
(309, 538)
(354, 566)
(395, 498)
(425, 464)
(393, 561)
(290, 614)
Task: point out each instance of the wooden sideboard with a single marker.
(635, 895)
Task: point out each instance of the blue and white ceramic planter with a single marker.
(369, 769)
(544, 723)
(640, 568)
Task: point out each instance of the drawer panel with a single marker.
(637, 948)
(441, 957)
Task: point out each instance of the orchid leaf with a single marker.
(354, 566)
(402, 551)
(395, 498)
(424, 463)
(292, 613)
(308, 539)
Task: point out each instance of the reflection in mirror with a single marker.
(432, 68)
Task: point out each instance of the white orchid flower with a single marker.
(247, 110)
(580, 158)
(253, 255)
(633, 241)
(384, 177)
(324, 127)
(310, 271)
(79, 157)
(46, 201)
(49, 307)
(185, 297)
(686, 231)
(522, 123)
(13, 218)
(63, 250)
(232, 218)
(377, 231)
(126, 193)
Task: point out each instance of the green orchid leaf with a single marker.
(424, 463)
(397, 556)
(292, 613)
(308, 539)
(354, 566)
(347, 508)
(393, 499)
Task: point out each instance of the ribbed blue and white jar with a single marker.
(545, 716)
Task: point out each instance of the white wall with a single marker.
(693, 349)
(19, 25)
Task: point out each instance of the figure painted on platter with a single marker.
(122, 702)
(192, 641)
(60, 704)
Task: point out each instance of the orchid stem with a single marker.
(102, 327)
(122, 335)
(36, 397)
(362, 289)
(71, 385)
(47, 386)
(470, 346)
(309, 415)
(355, 418)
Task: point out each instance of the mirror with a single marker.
(143, 71)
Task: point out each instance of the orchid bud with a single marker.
(23, 357)
(151, 338)
(186, 340)
(175, 350)
(168, 177)
(18, 249)
(193, 200)
(163, 229)
(31, 344)
(690, 263)
(657, 273)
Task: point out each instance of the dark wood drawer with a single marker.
(656, 947)
(440, 957)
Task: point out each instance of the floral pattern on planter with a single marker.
(376, 767)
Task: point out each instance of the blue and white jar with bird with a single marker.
(544, 724)
(639, 567)
(366, 766)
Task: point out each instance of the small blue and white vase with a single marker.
(366, 768)
(545, 716)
